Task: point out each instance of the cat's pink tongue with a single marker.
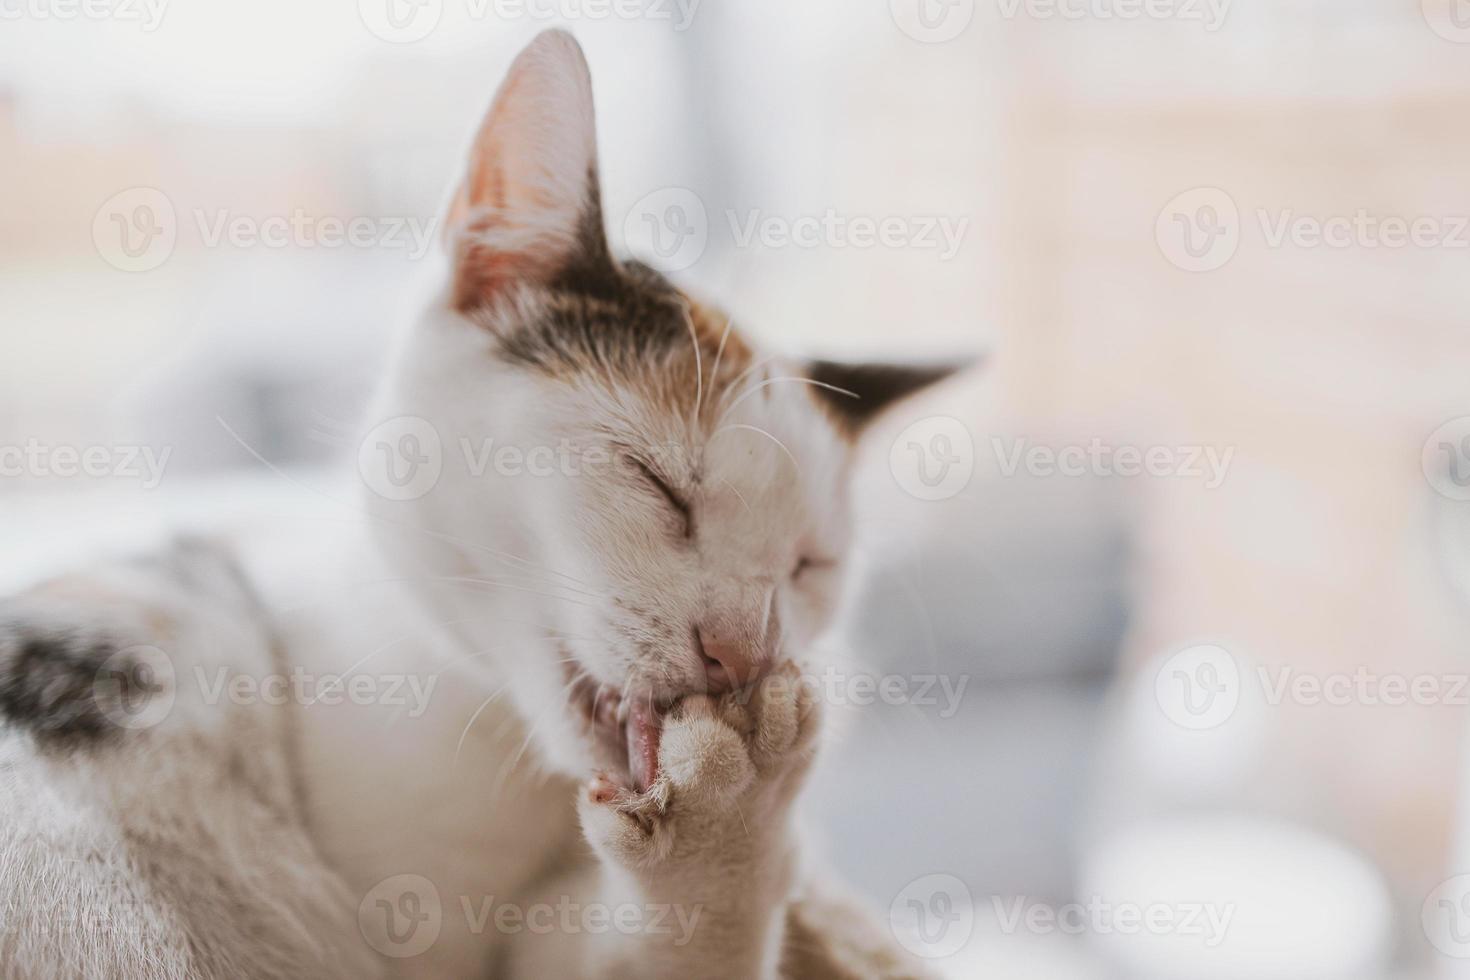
(644, 727)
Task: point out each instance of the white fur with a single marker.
(486, 584)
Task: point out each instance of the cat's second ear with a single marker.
(528, 209)
(856, 394)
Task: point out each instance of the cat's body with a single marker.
(396, 745)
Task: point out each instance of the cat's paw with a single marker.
(728, 770)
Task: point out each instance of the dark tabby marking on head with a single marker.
(877, 386)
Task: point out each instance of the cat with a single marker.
(209, 765)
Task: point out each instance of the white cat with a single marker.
(382, 747)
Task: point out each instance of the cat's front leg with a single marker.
(702, 864)
(712, 839)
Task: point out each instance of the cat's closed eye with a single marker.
(677, 503)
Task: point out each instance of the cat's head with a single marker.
(635, 503)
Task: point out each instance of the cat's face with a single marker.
(635, 504)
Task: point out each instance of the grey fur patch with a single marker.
(67, 674)
(57, 683)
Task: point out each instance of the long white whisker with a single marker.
(469, 724)
(758, 429)
(738, 494)
(698, 369)
(797, 380)
(730, 389)
(714, 375)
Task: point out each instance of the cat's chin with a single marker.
(624, 732)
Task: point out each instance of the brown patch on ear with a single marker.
(876, 387)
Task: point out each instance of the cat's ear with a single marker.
(867, 389)
(529, 208)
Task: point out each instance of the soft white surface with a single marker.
(1300, 906)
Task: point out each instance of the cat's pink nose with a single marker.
(730, 663)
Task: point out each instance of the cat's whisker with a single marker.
(486, 587)
(734, 385)
(755, 428)
(792, 379)
(698, 369)
(714, 374)
(738, 495)
(470, 724)
(489, 581)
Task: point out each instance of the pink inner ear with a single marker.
(517, 214)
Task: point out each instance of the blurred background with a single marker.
(1185, 567)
